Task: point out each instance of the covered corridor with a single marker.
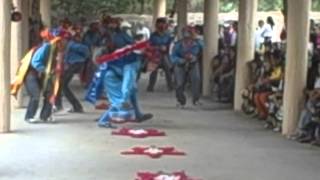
(220, 145)
(220, 142)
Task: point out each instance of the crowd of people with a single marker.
(108, 55)
(263, 98)
(95, 52)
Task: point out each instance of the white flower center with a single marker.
(138, 131)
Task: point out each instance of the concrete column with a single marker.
(182, 12)
(211, 37)
(5, 24)
(45, 11)
(159, 10)
(296, 64)
(25, 24)
(245, 49)
(19, 42)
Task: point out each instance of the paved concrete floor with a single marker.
(221, 145)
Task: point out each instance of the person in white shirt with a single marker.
(234, 34)
(268, 30)
(143, 30)
(259, 39)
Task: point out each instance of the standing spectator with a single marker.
(318, 38)
(185, 57)
(268, 30)
(233, 34)
(258, 35)
(143, 30)
(160, 40)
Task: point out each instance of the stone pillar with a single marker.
(211, 37)
(5, 24)
(45, 11)
(296, 64)
(182, 12)
(245, 49)
(159, 10)
(25, 24)
(19, 42)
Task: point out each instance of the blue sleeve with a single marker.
(127, 38)
(176, 57)
(170, 39)
(196, 51)
(40, 56)
(201, 44)
(152, 39)
(81, 49)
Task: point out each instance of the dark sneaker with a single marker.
(149, 89)
(307, 139)
(145, 117)
(181, 106)
(197, 103)
(50, 120)
(75, 111)
(316, 143)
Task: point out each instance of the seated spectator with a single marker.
(271, 77)
(307, 127)
(223, 74)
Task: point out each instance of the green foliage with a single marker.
(94, 8)
(228, 5)
(315, 5)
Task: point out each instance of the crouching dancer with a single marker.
(120, 85)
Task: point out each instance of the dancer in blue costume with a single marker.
(120, 83)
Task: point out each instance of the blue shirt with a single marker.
(120, 39)
(179, 51)
(157, 39)
(92, 39)
(76, 53)
(40, 57)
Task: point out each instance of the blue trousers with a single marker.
(121, 89)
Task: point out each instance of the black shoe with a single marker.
(307, 139)
(144, 117)
(316, 143)
(196, 103)
(299, 136)
(149, 89)
(75, 111)
(180, 106)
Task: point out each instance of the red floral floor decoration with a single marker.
(138, 133)
(163, 176)
(154, 152)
